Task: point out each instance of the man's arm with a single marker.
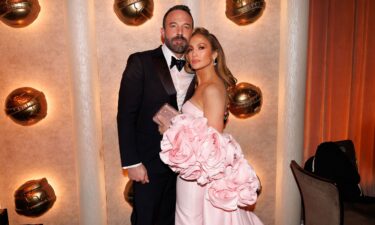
(129, 102)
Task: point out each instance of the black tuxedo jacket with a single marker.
(145, 86)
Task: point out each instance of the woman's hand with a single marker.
(164, 124)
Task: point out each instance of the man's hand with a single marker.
(138, 174)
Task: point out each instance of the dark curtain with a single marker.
(340, 89)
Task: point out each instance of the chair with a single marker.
(322, 204)
(337, 161)
(320, 198)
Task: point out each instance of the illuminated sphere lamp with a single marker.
(134, 12)
(26, 106)
(19, 13)
(245, 100)
(34, 198)
(243, 12)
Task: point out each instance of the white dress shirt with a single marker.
(181, 81)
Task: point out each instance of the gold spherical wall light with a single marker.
(34, 198)
(243, 12)
(134, 12)
(19, 13)
(26, 106)
(245, 100)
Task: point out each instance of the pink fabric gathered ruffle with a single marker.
(200, 153)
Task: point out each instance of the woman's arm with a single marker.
(214, 106)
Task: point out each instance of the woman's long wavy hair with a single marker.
(221, 65)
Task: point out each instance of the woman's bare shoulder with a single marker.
(214, 89)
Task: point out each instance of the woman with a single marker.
(215, 181)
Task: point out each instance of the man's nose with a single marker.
(179, 30)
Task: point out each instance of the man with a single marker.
(151, 79)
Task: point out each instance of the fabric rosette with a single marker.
(238, 187)
(194, 150)
(212, 156)
(180, 143)
(199, 152)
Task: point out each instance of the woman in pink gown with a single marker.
(215, 181)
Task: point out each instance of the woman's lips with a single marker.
(194, 61)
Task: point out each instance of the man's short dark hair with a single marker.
(178, 7)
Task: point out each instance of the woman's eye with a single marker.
(201, 47)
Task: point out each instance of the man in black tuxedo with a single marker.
(151, 79)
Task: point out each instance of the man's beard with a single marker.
(177, 48)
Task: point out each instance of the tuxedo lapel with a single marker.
(190, 90)
(162, 70)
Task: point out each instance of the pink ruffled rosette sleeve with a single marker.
(199, 152)
(238, 187)
(179, 145)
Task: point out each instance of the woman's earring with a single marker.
(215, 61)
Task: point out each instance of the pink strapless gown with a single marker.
(192, 208)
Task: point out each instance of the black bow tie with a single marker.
(179, 63)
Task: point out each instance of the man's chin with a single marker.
(179, 49)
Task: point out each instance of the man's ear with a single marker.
(162, 34)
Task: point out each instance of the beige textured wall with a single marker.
(36, 56)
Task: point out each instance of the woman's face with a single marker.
(199, 53)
